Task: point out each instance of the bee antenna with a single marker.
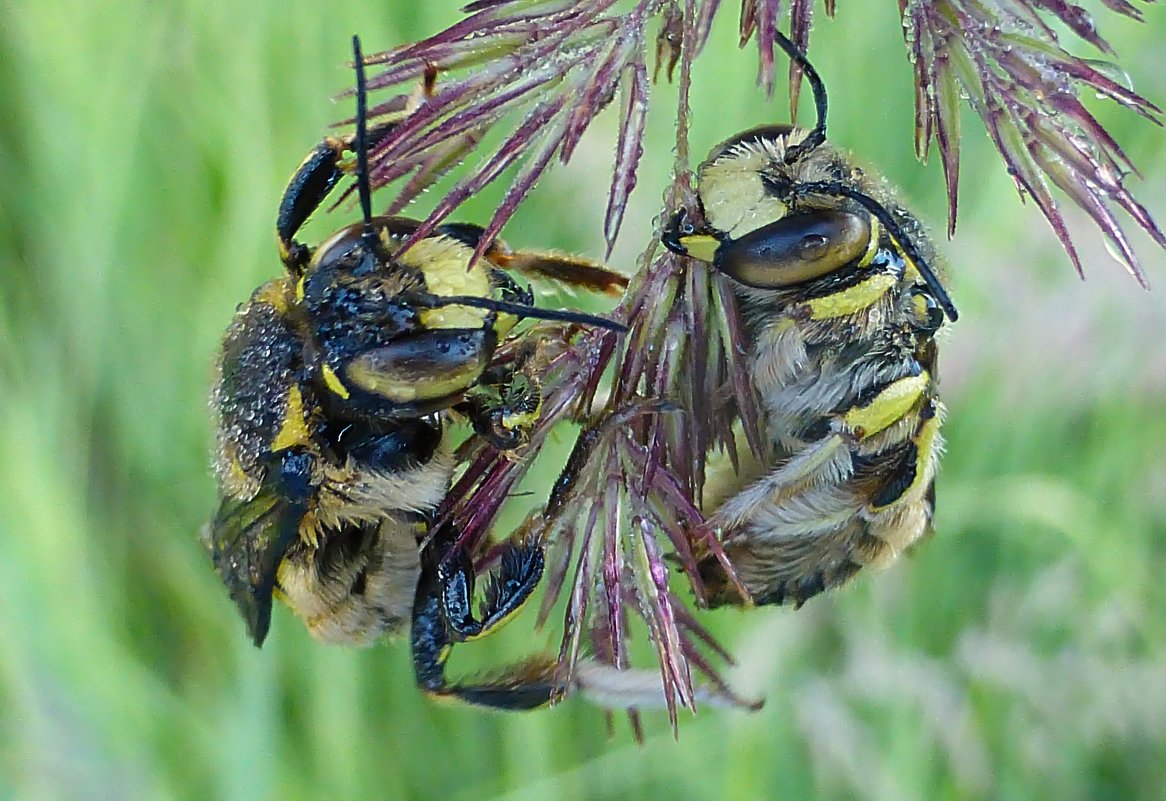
(520, 310)
(370, 238)
(883, 216)
(818, 134)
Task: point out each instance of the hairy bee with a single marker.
(332, 391)
(840, 308)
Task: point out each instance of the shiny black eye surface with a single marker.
(795, 249)
(813, 246)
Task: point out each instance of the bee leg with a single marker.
(442, 616)
(323, 168)
(574, 271)
(309, 185)
(312, 181)
(504, 406)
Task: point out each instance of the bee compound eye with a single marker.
(796, 248)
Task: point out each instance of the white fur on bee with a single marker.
(323, 592)
(352, 494)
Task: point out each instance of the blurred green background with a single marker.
(1021, 654)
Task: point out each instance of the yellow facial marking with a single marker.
(872, 247)
(293, 431)
(333, 382)
(700, 246)
(861, 296)
(888, 406)
(443, 262)
(732, 192)
(919, 307)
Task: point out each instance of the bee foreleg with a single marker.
(309, 185)
(505, 406)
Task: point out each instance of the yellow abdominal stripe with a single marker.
(925, 443)
(293, 431)
(888, 406)
(924, 451)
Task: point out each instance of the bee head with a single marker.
(781, 206)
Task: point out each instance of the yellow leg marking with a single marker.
(888, 406)
(861, 296)
(334, 383)
(499, 623)
(293, 431)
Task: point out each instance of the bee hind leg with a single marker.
(443, 615)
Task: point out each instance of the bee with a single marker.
(332, 394)
(840, 305)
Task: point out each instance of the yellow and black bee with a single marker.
(840, 306)
(332, 391)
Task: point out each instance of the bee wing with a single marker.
(248, 540)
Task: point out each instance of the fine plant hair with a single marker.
(539, 71)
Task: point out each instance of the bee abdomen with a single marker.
(856, 495)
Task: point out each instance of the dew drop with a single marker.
(1115, 72)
